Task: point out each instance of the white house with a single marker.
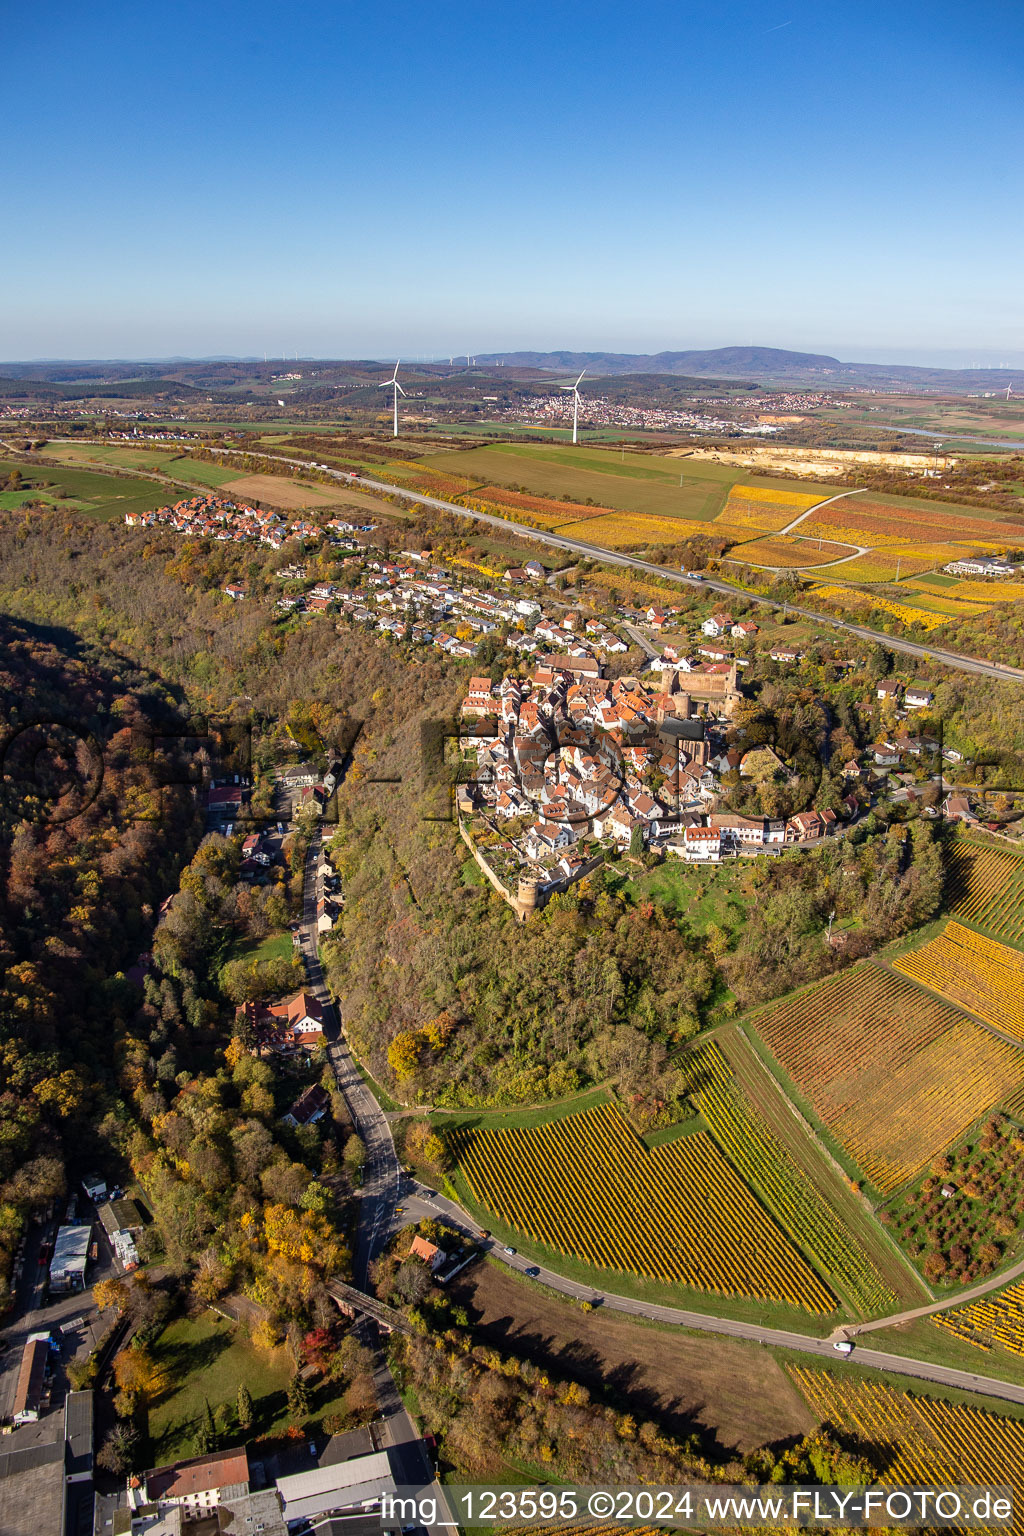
(718, 624)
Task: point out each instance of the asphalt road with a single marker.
(416, 1205)
(380, 1217)
(381, 1173)
(381, 1181)
(613, 557)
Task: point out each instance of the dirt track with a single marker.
(732, 1394)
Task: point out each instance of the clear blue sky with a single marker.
(342, 179)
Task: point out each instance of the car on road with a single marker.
(843, 1347)
(510, 1251)
(532, 1271)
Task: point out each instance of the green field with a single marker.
(103, 497)
(696, 896)
(628, 482)
(208, 1358)
(168, 461)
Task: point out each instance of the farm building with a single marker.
(28, 1394)
(70, 1256)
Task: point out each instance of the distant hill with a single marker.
(710, 369)
(765, 365)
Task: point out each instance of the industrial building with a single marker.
(70, 1256)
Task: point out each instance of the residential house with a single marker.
(701, 844)
(738, 831)
(309, 1107)
(917, 696)
(718, 624)
(804, 827)
(197, 1485)
(430, 1254)
(889, 690)
(286, 1026)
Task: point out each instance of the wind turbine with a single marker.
(574, 390)
(1008, 388)
(393, 383)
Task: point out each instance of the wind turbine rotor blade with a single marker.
(579, 380)
(401, 391)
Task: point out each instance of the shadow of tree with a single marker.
(181, 1361)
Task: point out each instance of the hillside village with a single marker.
(569, 765)
(565, 764)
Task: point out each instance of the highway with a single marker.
(971, 664)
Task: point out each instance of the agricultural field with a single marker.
(872, 1054)
(291, 495)
(977, 972)
(793, 552)
(961, 1221)
(916, 1440)
(736, 1394)
(587, 1187)
(103, 497)
(786, 1191)
(767, 507)
(985, 886)
(994, 1322)
(690, 489)
(624, 530)
(169, 461)
(865, 601)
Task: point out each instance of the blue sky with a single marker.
(367, 180)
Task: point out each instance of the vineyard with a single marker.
(846, 596)
(985, 886)
(986, 592)
(874, 1055)
(883, 565)
(939, 526)
(918, 1441)
(789, 552)
(587, 1187)
(746, 1139)
(974, 971)
(557, 511)
(751, 506)
(623, 530)
(998, 1321)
